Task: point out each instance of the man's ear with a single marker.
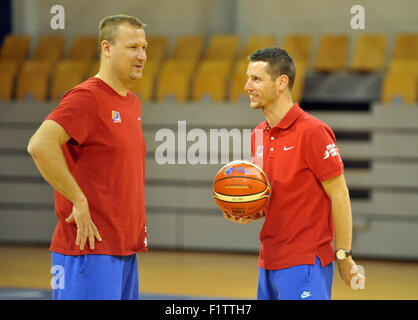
(282, 82)
(105, 45)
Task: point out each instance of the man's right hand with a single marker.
(86, 229)
(235, 219)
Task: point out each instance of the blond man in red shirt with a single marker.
(309, 199)
(91, 150)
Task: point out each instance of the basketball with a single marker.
(241, 189)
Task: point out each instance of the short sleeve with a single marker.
(322, 154)
(76, 113)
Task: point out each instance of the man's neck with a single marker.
(276, 112)
(113, 82)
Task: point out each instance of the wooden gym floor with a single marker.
(208, 274)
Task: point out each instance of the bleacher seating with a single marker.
(369, 53)
(15, 47)
(8, 71)
(182, 74)
(332, 53)
(83, 48)
(50, 48)
(67, 75)
(33, 80)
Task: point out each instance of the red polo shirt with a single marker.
(106, 156)
(297, 155)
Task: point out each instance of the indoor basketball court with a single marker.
(356, 71)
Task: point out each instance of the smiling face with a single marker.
(261, 88)
(127, 54)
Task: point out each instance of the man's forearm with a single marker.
(50, 161)
(342, 217)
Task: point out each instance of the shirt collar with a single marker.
(288, 119)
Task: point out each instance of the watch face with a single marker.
(340, 255)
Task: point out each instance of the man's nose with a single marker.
(248, 85)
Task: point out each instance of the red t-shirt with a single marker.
(297, 155)
(106, 156)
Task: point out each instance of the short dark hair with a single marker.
(279, 63)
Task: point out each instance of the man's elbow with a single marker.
(34, 147)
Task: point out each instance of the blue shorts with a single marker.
(94, 277)
(303, 282)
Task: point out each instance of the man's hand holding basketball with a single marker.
(235, 219)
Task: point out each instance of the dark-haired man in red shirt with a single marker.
(309, 198)
(92, 151)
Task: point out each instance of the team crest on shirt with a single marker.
(116, 117)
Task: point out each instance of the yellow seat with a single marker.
(400, 88)
(93, 69)
(157, 49)
(406, 47)
(211, 80)
(188, 48)
(68, 74)
(173, 82)
(33, 80)
(173, 86)
(184, 66)
(222, 47)
(15, 47)
(145, 87)
(298, 46)
(83, 48)
(332, 53)
(50, 48)
(8, 70)
(299, 84)
(404, 66)
(238, 80)
(256, 42)
(369, 53)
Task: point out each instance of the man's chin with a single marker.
(135, 75)
(254, 105)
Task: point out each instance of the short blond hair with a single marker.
(108, 27)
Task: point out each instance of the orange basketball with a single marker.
(241, 189)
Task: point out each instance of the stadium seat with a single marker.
(222, 47)
(369, 53)
(255, 42)
(93, 69)
(188, 48)
(15, 47)
(157, 49)
(404, 66)
(8, 70)
(68, 74)
(83, 48)
(173, 86)
(299, 46)
(406, 47)
(332, 53)
(33, 80)
(184, 66)
(400, 88)
(144, 87)
(211, 81)
(50, 47)
(299, 84)
(173, 83)
(239, 79)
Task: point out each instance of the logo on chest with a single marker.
(116, 117)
